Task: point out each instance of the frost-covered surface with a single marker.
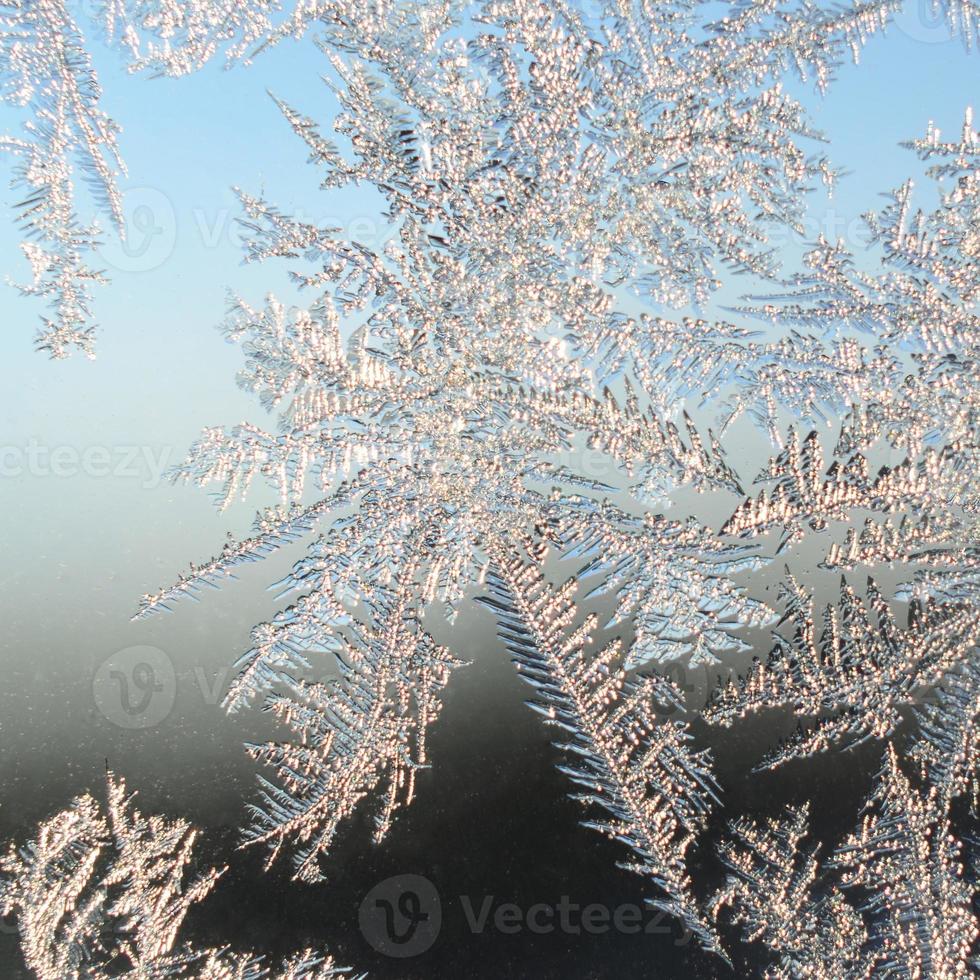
(561, 179)
(103, 892)
(655, 789)
(918, 920)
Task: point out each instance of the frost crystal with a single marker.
(367, 728)
(504, 385)
(858, 675)
(654, 787)
(46, 70)
(917, 920)
(948, 747)
(906, 859)
(100, 895)
(774, 893)
(670, 579)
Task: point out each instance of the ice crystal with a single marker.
(691, 179)
(105, 894)
(47, 71)
(671, 581)
(906, 859)
(803, 494)
(365, 729)
(920, 514)
(854, 679)
(775, 893)
(924, 300)
(916, 920)
(559, 179)
(655, 788)
(177, 37)
(948, 746)
(550, 173)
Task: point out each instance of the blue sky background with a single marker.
(187, 141)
